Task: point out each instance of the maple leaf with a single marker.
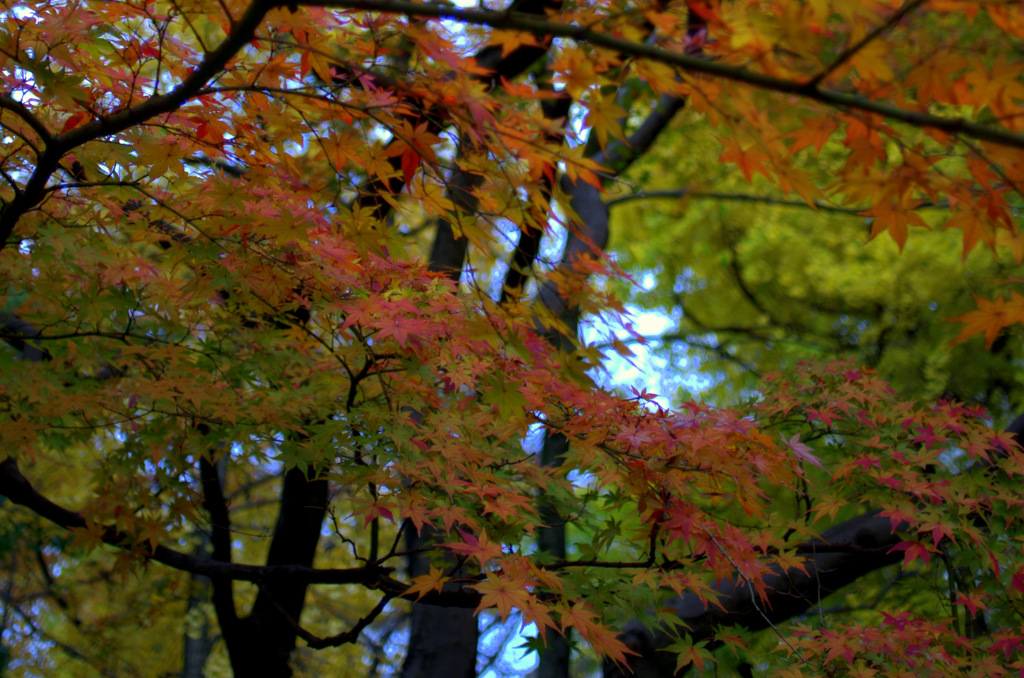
(891, 217)
(751, 159)
(534, 612)
(397, 326)
(90, 536)
(505, 396)
(575, 69)
(316, 59)
(689, 652)
(1000, 88)
(375, 511)
(990, 318)
(1017, 581)
(605, 117)
(510, 41)
(410, 163)
(935, 78)
(152, 532)
(482, 550)
(871, 63)
(912, 550)
(425, 583)
(503, 594)
(413, 509)
(815, 132)
(452, 515)
(580, 168)
(705, 10)
(801, 451)
(604, 641)
(973, 601)
(828, 506)
(433, 201)
(825, 415)
(939, 531)
(793, 561)
(976, 227)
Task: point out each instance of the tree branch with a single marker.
(619, 156)
(20, 110)
(555, 109)
(852, 50)
(242, 31)
(22, 338)
(345, 637)
(804, 89)
(843, 554)
(220, 537)
(19, 490)
(294, 543)
(789, 593)
(495, 67)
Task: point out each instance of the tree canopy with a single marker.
(753, 280)
(292, 376)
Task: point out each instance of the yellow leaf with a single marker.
(90, 536)
(512, 40)
(605, 117)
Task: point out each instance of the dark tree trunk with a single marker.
(442, 643)
(198, 642)
(554, 659)
(442, 640)
(260, 644)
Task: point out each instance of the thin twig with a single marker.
(757, 606)
(852, 50)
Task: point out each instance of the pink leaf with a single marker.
(801, 451)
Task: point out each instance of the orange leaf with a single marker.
(426, 583)
(990, 318)
(502, 594)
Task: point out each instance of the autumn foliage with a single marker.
(283, 284)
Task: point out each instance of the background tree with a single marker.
(277, 281)
(756, 280)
